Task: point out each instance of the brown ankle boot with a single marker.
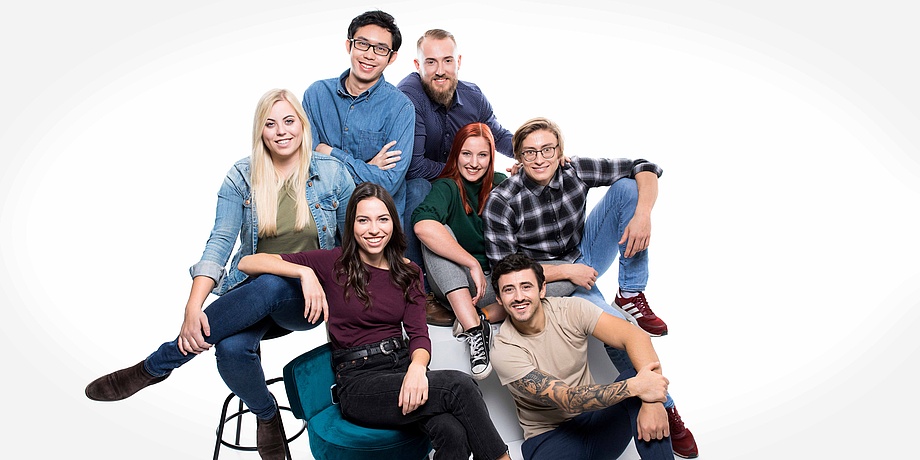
(270, 438)
(120, 384)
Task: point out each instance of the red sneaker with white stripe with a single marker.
(637, 311)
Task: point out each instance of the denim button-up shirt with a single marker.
(357, 127)
(328, 190)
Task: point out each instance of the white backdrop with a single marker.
(784, 250)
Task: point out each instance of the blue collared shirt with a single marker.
(357, 127)
(436, 126)
(328, 190)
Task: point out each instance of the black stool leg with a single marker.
(224, 418)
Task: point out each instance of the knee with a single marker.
(234, 349)
(625, 187)
(624, 192)
(273, 286)
(458, 384)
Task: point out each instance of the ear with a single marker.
(348, 46)
(543, 292)
(459, 57)
(392, 57)
(417, 65)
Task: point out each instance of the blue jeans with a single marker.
(603, 229)
(597, 435)
(416, 191)
(239, 320)
(455, 417)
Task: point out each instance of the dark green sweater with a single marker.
(443, 205)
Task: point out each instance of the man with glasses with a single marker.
(361, 119)
(541, 214)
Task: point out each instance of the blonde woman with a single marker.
(281, 199)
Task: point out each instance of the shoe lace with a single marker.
(677, 425)
(477, 347)
(642, 304)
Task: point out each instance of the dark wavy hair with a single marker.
(452, 169)
(350, 271)
(515, 263)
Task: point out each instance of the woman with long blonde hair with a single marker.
(280, 199)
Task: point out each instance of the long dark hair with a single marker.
(350, 271)
(452, 170)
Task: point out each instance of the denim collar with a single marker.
(343, 92)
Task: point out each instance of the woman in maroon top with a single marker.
(367, 293)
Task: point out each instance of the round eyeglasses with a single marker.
(546, 152)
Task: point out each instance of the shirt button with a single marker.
(310, 183)
(316, 205)
(324, 228)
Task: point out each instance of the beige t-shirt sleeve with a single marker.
(560, 351)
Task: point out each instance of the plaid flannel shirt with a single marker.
(546, 222)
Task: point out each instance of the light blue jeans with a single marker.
(263, 307)
(603, 229)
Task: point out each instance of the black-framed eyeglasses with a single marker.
(546, 152)
(362, 45)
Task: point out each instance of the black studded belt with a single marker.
(385, 347)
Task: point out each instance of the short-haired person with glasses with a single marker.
(542, 214)
(360, 118)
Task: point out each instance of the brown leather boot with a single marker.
(120, 384)
(270, 438)
(437, 314)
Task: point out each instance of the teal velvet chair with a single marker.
(307, 380)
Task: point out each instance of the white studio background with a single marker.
(784, 251)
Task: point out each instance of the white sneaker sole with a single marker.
(630, 318)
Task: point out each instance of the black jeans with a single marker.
(455, 416)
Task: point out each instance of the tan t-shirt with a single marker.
(561, 350)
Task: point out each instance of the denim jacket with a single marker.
(328, 190)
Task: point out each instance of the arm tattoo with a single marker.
(547, 389)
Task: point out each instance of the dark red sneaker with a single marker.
(682, 442)
(637, 311)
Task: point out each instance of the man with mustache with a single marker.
(540, 355)
(443, 105)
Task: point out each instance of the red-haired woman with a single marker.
(449, 224)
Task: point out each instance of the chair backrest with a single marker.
(307, 379)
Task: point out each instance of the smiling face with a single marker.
(474, 158)
(373, 228)
(520, 296)
(540, 170)
(282, 132)
(367, 66)
(437, 65)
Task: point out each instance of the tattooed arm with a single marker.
(540, 387)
